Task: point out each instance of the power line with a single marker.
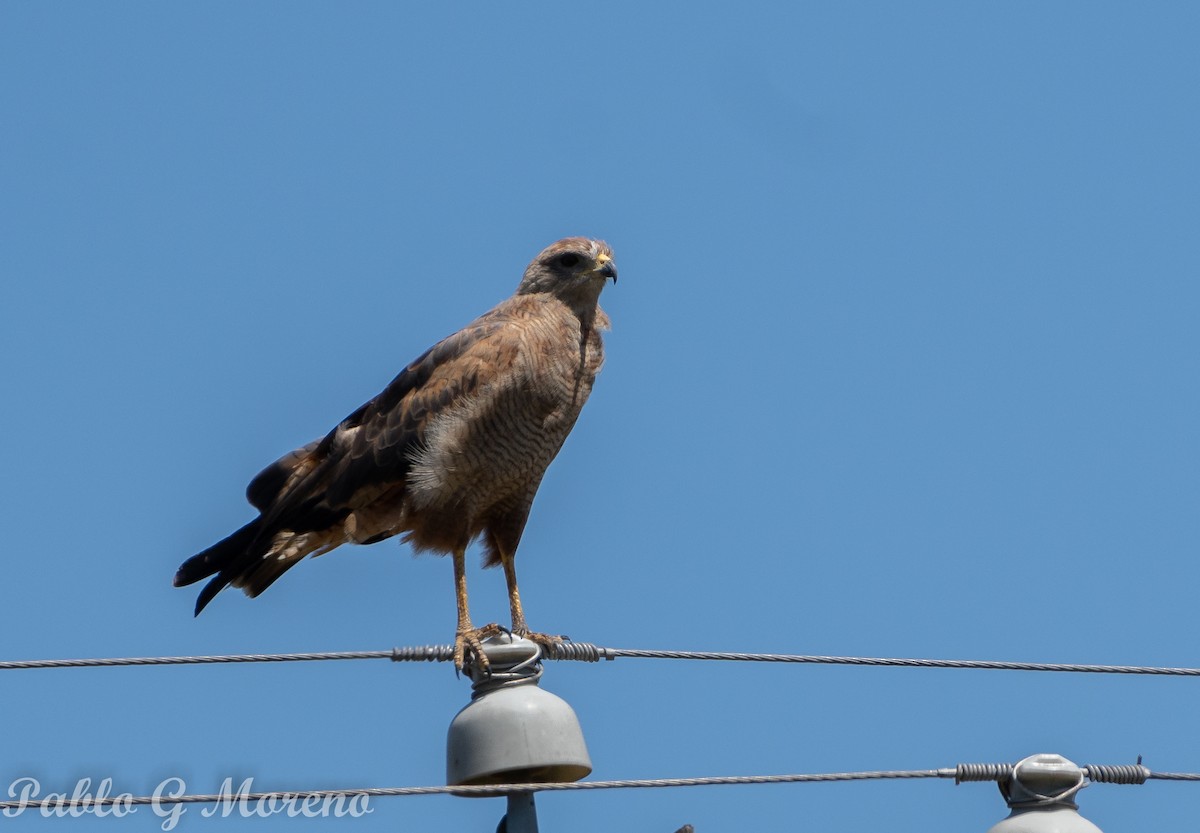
(111, 662)
(587, 652)
(898, 662)
(1132, 774)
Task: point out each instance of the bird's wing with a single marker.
(275, 478)
(370, 451)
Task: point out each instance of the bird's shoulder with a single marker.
(477, 356)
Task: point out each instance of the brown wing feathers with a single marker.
(313, 488)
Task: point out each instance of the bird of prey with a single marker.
(453, 449)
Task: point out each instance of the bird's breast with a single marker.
(495, 447)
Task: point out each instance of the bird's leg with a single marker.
(467, 636)
(519, 627)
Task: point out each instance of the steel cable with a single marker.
(974, 772)
(587, 652)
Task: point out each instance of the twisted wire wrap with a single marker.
(423, 653)
(1123, 774)
(581, 651)
(526, 672)
(982, 772)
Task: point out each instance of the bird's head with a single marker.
(573, 269)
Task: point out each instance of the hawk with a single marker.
(452, 450)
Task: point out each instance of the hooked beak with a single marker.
(607, 267)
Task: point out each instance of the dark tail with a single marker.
(229, 560)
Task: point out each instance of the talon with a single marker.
(472, 639)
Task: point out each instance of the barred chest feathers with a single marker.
(495, 447)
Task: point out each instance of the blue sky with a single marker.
(903, 363)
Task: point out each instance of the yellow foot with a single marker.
(470, 639)
(546, 640)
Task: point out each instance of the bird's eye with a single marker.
(569, 261)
